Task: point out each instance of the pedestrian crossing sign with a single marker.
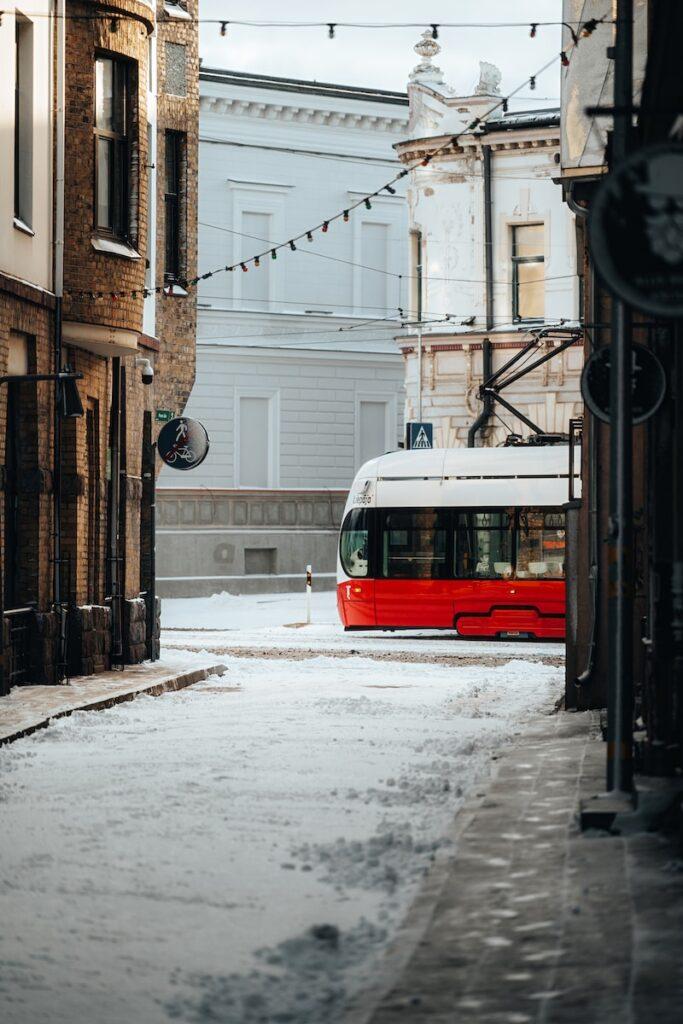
(419, 435)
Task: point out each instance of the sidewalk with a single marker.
(28, 708)
(535, 921)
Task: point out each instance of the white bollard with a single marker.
(309, 587)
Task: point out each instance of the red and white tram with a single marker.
(470, 539)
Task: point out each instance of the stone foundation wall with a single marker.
(245, 541)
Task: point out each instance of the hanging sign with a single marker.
(419, 435)
(183, 443)
(636, 230)
(648, 383)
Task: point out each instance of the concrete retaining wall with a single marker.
(245, 541)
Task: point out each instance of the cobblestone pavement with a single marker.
(536, 921)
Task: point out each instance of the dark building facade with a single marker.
(113, 308)
(654, 740)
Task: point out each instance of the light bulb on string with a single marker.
(534, 27)
(532, 82)
(273, 254)
(244, 267)
(435, 31)
(345, 216)
(427, 160)
(330, 30)
(368, 204)
(224, 27)
(325, 226)
(292, 246)
(257, 261)
(309, 236)
(564, 59)
(589, 27)
(390, 189)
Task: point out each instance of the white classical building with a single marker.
(299, 379)
(492, 245)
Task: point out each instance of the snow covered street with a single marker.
(244, 850)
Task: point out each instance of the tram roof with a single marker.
(470, 463)
(467, 477)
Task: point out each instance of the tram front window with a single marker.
(353, 547)
(540, 545)
(414, 544)
(484, 545)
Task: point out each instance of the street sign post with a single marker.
(648, 383)
(419, 435)
(183, 443)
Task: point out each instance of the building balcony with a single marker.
(99, 338)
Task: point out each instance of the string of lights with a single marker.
(343, 216)
(330, 27)
(382, 270)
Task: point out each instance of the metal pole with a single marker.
(620, 533)
(419, 326)
(309, 587)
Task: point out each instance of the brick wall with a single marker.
(88, 270)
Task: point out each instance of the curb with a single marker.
(176, 681)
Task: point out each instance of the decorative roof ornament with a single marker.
(425, 71)
(489, 79)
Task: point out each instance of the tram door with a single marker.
(415, 553)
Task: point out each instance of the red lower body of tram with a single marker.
(532, 609)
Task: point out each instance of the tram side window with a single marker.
(484, 545)
(353, 547)
(414, 544)
(540, 545)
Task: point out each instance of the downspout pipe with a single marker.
(57, 590)
(487, 359)
(482, 418)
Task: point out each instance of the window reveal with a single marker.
(174, 205)
(528, 289)
(23, 121)
(112, 146)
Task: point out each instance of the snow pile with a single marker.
(304, 979)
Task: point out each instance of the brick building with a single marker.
(94, 262)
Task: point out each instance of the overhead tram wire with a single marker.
(466, 337)
(587, 29)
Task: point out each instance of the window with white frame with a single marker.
(528, 278)
(256, 228)
(23, 121)
(374, 257)
(373, 422)
(256, 440)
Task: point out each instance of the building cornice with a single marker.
(243, 79)
(295, 113)
(444, 344)
(469, 145)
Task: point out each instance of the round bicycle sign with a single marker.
(648, 384)
(183, 443)
(636, 230)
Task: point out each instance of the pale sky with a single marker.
(384, 57)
